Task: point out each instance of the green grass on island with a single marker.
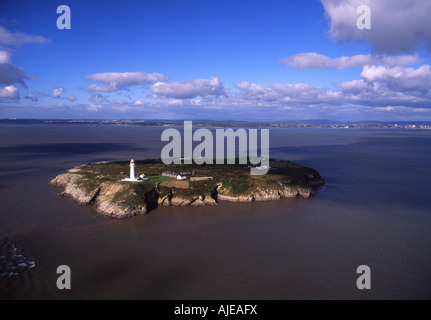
(235, 178)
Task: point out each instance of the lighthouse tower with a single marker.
(132, 177)
(132, 170)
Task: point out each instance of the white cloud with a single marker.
(279, 92)
(354, 86)
(57, 92)
(375, 96)
(97, 97)
(117, 80)
(386, 89)
(94, 107)
(16, 39)
(379, 87)
(314, 60)
(399, 26)
(388, 108)
(9, 93)
(94, 88)
(5, 56)
(9, 73)
(122, 108)
(32, 96)
(71, 98)
(60, 104)
(189, 89)
(121, 102)
(401, 60)
(399, 79)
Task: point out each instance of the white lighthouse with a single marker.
(132, 170)
(132, 177)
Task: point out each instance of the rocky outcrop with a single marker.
(101, 196)
(164, 201)
(117, 209)
(180, 202)
(305, 192)
(203, 201)
(267, 195)
(285, 191)
(72, 189)
(314, 180)
(289, 192)
(172, 200)
(209, 201)
(116, 199)
(222, 197)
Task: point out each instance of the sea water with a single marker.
(374, 210)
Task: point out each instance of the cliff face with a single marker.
(104, 197)
(117, 209)
(69, 181)
(179, 201)
(88, 186)
(285, 191)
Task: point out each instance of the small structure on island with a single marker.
(263, 168)
(201, 178)
(132, 177)
(169, 174)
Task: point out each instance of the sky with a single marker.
(254, 60)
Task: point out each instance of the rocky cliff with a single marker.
(98, 185)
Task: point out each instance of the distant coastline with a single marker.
(411, 125)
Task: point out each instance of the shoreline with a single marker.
(113, 198)
(220, 124)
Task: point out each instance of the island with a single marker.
(106, 187)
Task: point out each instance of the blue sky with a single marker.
(239, 60)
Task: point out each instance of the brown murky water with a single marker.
(374, 210)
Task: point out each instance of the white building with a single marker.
(263, 168)
(132, 177)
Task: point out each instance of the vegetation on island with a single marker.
(100, 184)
